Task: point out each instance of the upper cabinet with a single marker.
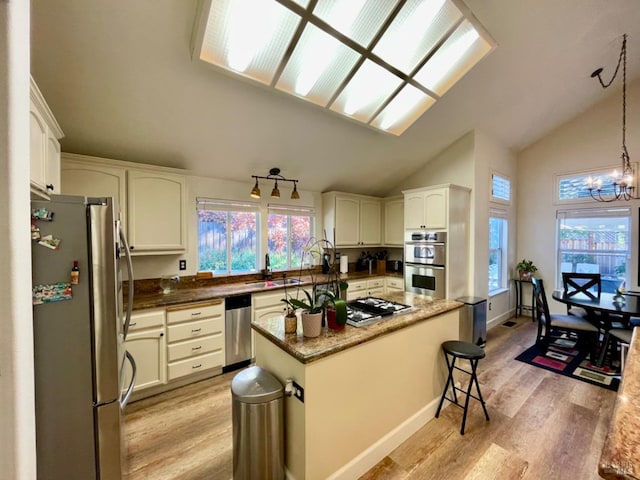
(44, 153)
(355, 219)
(425, 209)
(156, 208)
(394, 221)
(152, 199)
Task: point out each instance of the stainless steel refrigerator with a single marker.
(79, 332)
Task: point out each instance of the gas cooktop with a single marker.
(368, 310)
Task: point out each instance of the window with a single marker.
(595, 241)
(574, 187)
(500, 188)
(498, 241)
(228, 242)
(288, 231)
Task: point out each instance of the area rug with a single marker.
(563, 358)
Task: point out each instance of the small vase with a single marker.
(311, 324)
(332, 323)
(290, 323)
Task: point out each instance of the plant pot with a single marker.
(525, 276)
(290, 323)
(311, 324)
(331, 320)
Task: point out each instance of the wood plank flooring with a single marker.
(543, 426)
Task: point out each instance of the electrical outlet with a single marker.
(298, 392)
(183, 264)
(489, 305)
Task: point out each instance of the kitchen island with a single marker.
(365, 389)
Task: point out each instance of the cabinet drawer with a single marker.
(357, 286)
(197, 346)
(146, 319)
(375, 283)
(196, 364)
(268, 300)
(395, 282)
(200, 328)
(187, 313)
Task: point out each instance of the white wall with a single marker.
(17, 421)
(154, 266)
(490, 156)
(591, 140)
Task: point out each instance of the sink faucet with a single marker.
(267, 267)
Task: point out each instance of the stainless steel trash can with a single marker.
(473, 320)
(258, 425)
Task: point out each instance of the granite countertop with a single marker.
(307, 350)
(149, 295)
(620, 458)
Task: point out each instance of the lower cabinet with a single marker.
(393, 284)
(373, 287)
(266, 305)
(195, 336)
(146, 341)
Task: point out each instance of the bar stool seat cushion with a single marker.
(463, 349)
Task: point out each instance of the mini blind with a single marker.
(225, 205)
(500, 188)
(291, 210)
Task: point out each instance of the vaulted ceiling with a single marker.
(119, 77)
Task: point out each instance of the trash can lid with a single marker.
(256, 385)
(471, 300)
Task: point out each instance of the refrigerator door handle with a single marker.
(134, 369)
(127, 320)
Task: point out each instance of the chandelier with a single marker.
(622, 184)
(274, 174)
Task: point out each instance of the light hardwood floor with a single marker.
(543, 426)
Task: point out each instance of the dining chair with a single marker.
(548, 324)
(622, 337)
(574, 283)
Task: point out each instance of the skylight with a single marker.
(380, 62)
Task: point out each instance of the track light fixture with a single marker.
(274, 174)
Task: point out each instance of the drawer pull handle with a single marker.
(195, 314)
(196, 330)
(197, 348)
(132, 324)
(197, 366)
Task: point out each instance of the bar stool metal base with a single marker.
(464, 350)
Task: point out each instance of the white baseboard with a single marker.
(380, 449)
(499, 319)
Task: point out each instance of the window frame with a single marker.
(594, 173)
(507, 179)
(594, 212)
(289, 211)
(504, 248)
(231, 207)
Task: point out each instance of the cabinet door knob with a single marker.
(131, 247)
(50, 186)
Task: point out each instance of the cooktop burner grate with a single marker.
(367, 310)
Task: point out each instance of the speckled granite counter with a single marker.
(190, 291)
(620, 457)
(306, 350)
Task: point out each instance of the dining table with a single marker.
(604, 309)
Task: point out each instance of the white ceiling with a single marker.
(119, 78)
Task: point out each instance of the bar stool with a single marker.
(453, 350)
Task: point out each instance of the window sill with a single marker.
(499, 291)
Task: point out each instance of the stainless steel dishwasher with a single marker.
(237, 331)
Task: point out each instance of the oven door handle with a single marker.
(424, 266)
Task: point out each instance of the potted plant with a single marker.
(311, 315)
(336, 308)
(525, 269)
(290, 319)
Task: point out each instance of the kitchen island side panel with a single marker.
(356, 398)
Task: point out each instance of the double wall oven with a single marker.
(425, 263)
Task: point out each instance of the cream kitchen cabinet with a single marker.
(44, 146)
(195, 336)
(394, 222)
(355, 219)
(144, 194)
(268, 305)
(426, 209)
(146, 341)
(373, 287)
(393, 284)
(151, 195)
